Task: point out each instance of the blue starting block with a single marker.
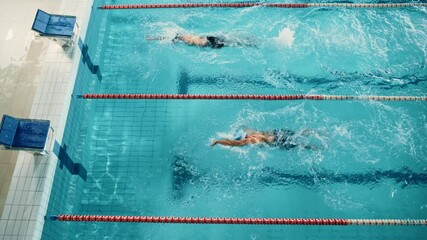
(24, 134)
(60, 28)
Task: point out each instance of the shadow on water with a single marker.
(183, 174)
(404, 177)
(65, 160)
(87, 59)
(334, 81)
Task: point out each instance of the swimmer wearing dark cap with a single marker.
(203, 41)
(193, 40)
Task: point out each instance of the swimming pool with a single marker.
(152, 157)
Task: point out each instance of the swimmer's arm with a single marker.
(188, 39)
(228, 142)
(242, 142)
(151, 38)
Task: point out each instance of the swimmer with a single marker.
(215, 42)
(282, 138)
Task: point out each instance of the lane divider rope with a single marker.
(251, 4)
(248, 221)
(252, 97)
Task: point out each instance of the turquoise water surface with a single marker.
(153, 157)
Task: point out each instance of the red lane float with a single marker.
(247, 221)
(275, 5)
(251, 97)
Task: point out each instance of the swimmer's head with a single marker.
(215, 42)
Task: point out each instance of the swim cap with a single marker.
(215, 42)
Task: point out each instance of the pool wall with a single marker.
(68, 188)
(56, 69)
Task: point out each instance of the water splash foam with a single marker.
(285, 38)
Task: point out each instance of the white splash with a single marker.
(285, 38)
(168, 31)
(226, 135)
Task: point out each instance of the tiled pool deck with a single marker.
(36, 80)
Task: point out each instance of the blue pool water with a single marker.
(153, 157)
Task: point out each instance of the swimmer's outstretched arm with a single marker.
(242, 142)
(159, 38)
(228, 142)
(191, 40)
(153, 38)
